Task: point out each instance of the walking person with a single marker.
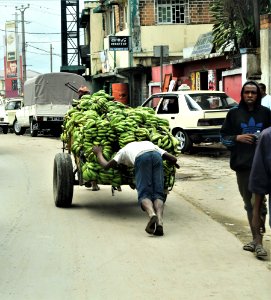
(260, 185)
(266, 99)
(147, 160)
(238, 134)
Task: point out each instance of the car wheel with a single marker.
(63, 180)
(33, 132)
(5, 130)
(185, 142)
(18, 129)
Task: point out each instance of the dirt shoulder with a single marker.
(206, 181)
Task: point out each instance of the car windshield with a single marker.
(209, 101)
(13, 105)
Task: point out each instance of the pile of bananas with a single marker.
(98, 120)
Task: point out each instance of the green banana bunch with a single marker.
(97, 120)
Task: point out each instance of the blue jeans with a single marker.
(149, 176)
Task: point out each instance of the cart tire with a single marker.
(63, 180)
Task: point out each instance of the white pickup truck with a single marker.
(47, 98)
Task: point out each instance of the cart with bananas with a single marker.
(99, 120)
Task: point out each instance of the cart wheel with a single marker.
(63, 180)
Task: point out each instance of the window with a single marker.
(169, 105)
(110, 21)
(208, 101)
(153, 102)
(172, 11)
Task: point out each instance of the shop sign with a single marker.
(197, 80)
(119, 43)
(204, 45)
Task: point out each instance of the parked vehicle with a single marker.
(3, 118)
(11, 106)
(194, 116)
(47, 98)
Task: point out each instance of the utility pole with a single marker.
(18, 56)
(256, 15)
(22, 10)
(51, 58)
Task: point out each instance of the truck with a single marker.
(47, 97)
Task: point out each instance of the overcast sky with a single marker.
(42, 28)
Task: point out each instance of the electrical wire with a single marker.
(47, 52)
(31, 32)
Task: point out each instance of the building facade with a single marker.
(170, 26)
(164, 40)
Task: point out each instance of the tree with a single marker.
(236, 23)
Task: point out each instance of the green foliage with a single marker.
(234, 23)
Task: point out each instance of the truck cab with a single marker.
(11, 106)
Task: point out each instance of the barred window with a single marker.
(172, 11)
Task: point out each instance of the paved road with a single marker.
(98, 249)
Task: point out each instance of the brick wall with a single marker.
(265, 21)
(147, 12)
(199, 11)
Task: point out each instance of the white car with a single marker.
(194, 116)
(3, 118)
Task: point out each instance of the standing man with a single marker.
(147, 160)
(260, 184)
(266, 99)
(238, 134)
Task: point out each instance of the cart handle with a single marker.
(72, 87)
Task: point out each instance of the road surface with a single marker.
(98, 249)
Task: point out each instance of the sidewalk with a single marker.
(211, 258)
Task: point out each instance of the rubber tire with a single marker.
(5, 130)
(63, 180)
(17, 129)
(33, 132)
(185, 142)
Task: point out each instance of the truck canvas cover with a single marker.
(50, 88)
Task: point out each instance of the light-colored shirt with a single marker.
(128, 154)
(266, 101)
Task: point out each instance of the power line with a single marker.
(48, 52)
(32, 32)
(49, 42)
(32, 52)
